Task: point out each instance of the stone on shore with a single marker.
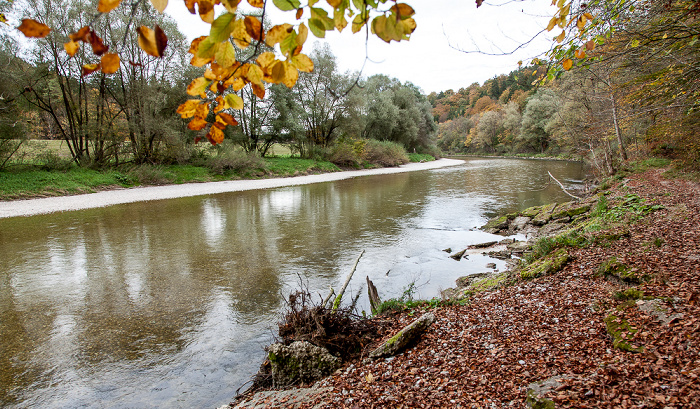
(300, 361)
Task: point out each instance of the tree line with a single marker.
(130, 116)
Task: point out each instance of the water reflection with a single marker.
(171, 302)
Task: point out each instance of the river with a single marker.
(171, 302)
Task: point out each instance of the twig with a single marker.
(562, 187)
(339, 297)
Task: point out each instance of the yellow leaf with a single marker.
(71, 47)
(358, 23)
(254, 74)
(278, 72)
(334, 3)
(278, 33)
(553, 22)
(254, 28)
(198, 86)
(160, 5)
(152, 42)
(3, 19)
(561, 37)
(234, 101)
(33, 29)
(291, 75)
(303, 63)
(231, 5)
(588, 16)
(257, 3)
(302, 35)
(339, 20)
(240, 34)
(105, 6)
(567, 64)
(202, 111)
(236, 84)
(581, 22)
(226, 54)
(110, 63)
(187, 109)
(89, 69)
(222, 27)
(265, 60)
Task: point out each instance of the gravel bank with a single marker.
(141, 194)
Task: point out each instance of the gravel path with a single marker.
(141, 194)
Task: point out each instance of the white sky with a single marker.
(427, 60)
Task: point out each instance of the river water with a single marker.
(171, 302)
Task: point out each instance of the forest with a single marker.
(620, 83)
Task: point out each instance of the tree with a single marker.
(539, 110)
(488, 128)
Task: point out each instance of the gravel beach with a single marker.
(141, 194)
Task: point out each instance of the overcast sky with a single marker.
(428, 60)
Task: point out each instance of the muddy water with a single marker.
(170, 303)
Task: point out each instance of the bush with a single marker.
(49, 160)
(232, 159)
(149, 175)
(344, 154)
(384, 153)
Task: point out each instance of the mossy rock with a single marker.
(531, 212)
(570, 211)
(614, 268)
(548, 265)
(618, 329)
(545, 215)
(496, 224)
(535, 402)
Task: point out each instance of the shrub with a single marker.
(229, 158)
(149, 175)
(344, 154)
(49, 160)
(384, 153)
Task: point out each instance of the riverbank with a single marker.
(616, 326)
(139, 194)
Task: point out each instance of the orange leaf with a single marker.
(590, 45)
(258, 90)
(580, 53)
(110, 63)
(71, 47)
(206, 10)
(152, 42)
(188, 109)
(226, 119)
(202, 111)
(197, 124)
(90, 68)
(190, 6)
(33, 29)
(80, 35)
(254, 28)
(105, 6)
(300, 12)
(215, 135)
(256, 3)
(567, 64)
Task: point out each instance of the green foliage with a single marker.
(628, 294)
(420, 157)
(384, 153)
(546, 245)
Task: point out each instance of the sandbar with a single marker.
(46, 205)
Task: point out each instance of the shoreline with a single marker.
(32, 207)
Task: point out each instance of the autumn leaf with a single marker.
(222, 27)
(71, 47)
(98, 47)
(33, 29)
(187, 109)
(580, 53)
(590, 45)
(3, 19)
(278, 33)
(567, 64)
(202, 111)
(197, 124)
(240, 35)
(257, 3)
(152, 42)
(403, 10)
(226, 119)
(105, 6)
(110, 63)
(88, 69)
(303, 63)
(160, 5)
(206, 10)
(254, 28)
(286, 5)
(258, 90)
(80, 35)
(300, 13)
(198, 86)
(478, 3)
(215, 135)
(234, 101)
(225, 54)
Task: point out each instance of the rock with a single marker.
(519, 223)
(291, 398)
(491, 265)
(547, 265)
(519, 247)
(448, 250)
(482, 245)
(551, 229)
(300, 361)
(458, 255)
(501, 255)
(496, 225)
(531, 212)
(466, 281)
(535, 392)
(545, 215)
(570, 210)
(404, 337)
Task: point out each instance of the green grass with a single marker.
(35, 182)
(420, 157)
(285, 166)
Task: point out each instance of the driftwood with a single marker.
(374, 300)
(562, 187)
(408, 334)
(339, 297)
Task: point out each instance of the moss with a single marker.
(545, 214)
(571, 211)
(628, 294)
(620, 330)
(548, 265)
(536, 402)
(614, 268)
(488, 283)
(531, 211)
(497, 223)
